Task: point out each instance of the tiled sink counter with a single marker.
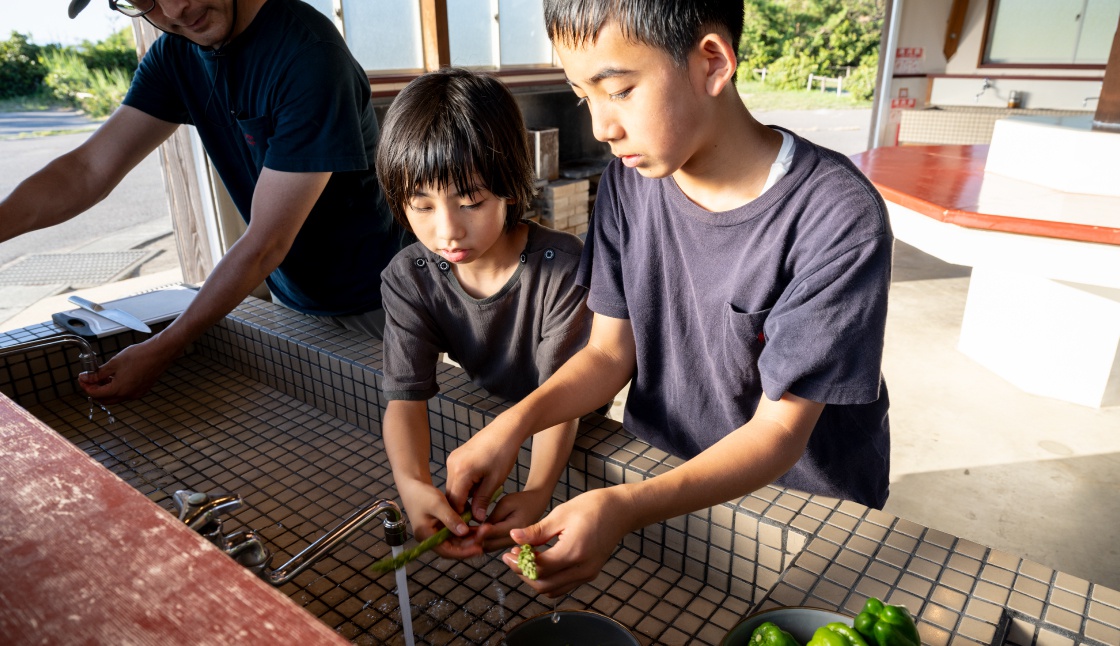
(286, 412)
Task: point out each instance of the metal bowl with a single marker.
(566, 627)
(798, 621)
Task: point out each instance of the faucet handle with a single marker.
(197, 509)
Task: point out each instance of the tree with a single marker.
(796, 38)
(21, 73)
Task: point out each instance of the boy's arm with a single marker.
(589, 379)
(547, 461)
(591, 525)
(408, 444)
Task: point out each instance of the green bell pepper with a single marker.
(887, 625)
(836, 634)
(769, 634)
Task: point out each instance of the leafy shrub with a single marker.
(861, 82)
(20, 70)
(96, 92)
(117, 52)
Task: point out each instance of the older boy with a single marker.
(727, 260)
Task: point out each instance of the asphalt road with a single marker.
(139, 199)
(845, 131)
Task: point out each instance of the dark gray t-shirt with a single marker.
(508, 343)
(787, 293)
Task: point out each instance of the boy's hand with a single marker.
(588, 528)
(428, 512)
(480, 466)
(519, 509)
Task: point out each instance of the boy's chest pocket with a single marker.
(255, 133)
(742, 342)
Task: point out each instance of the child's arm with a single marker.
(589, 379)
(591, 525)
(408, 445)
(549, 458)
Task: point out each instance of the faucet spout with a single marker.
(87, 356)
(395, 535)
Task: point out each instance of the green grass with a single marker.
(33, 103)
(762, 98)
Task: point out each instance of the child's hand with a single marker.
(588, 528)
(480, 466)
(428, 512)
(519, 509)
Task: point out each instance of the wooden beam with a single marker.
(181, 181)
(953, 30)
(433, 28)
(1107, 116)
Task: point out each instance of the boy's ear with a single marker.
(718, 59)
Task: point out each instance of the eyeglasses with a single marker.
(132, 9)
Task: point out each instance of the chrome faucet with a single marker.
(202, 513)
(87, 356)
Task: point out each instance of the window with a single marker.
(1066, 33)
(387, 35)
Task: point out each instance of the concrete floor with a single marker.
(980, 459)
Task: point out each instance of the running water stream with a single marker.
(402, 596)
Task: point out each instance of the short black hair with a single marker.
(673, 26)
(455, 128)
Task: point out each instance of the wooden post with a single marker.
(181, 181)
(433, 27)
(1107, 116)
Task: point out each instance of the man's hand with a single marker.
(130, 374)
(587, 529)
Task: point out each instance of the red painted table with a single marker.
(87, 559)
(1046, 265)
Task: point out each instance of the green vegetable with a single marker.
(887, 625)
(769, 634)
(390, 563)
(836, 634)
(527, 562)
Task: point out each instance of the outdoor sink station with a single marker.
(285, 412)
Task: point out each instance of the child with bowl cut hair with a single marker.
(738, 274)
(496, 293)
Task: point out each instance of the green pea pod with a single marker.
(769, 634)
(836, 634)
(887, 625)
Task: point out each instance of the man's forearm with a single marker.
(51, 196)
(238, 273)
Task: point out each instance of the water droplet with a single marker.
(555, 617)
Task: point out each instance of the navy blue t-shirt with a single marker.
(787, 293)
(286, 94)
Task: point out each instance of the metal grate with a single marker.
(73, 269)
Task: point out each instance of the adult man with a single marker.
(284, 113)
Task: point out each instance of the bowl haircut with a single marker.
(673, 26)
(455, 128)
